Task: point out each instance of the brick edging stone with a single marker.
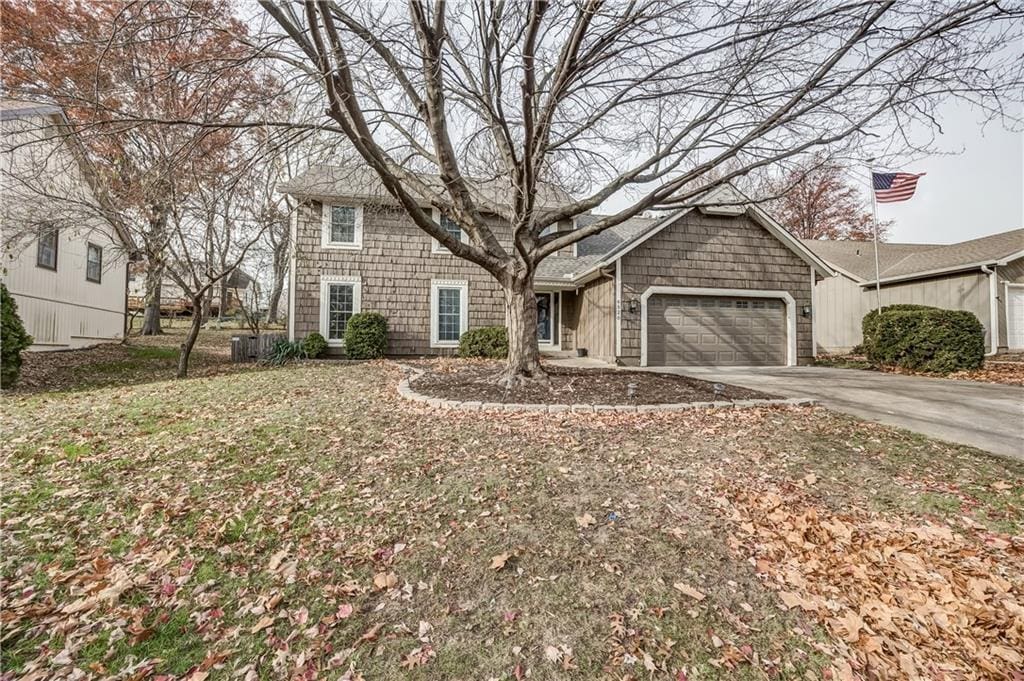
(406, 392)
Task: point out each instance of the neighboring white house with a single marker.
(65, 266)
(984, 276)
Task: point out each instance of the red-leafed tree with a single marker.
(818, 200)
(114, 67)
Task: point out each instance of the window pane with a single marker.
(46, 254)
(449, 314)
(343, 224)
(449, 226)
(340, 308)
(93, 262)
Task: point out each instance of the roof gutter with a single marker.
(934, 273)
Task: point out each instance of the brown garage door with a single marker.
(706, 331)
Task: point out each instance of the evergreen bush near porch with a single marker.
(487, 341)
(924, 338)
(13, 339)
(366, 336)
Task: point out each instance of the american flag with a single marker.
(894, 187)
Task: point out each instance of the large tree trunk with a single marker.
(151, 317)
(190, 338)
(521, 319)
(280, 271)
(275, 292)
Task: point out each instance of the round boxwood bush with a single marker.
(924, 338)
(869, 324)
(487, 341)
(314, 344)
(13, 339)
(366, 336)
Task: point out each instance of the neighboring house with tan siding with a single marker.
(65, 266)
(722, 283)
(984, 276)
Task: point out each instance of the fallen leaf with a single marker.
(345, 611)
(385, 580)
(499, 561)
(264, 622)
(586, 520)
(689, 591)
(275, 560)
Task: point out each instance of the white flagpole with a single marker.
(874, 214)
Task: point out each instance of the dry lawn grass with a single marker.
(305, 523)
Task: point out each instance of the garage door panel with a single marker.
(707, 330)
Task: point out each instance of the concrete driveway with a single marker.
(984, 415)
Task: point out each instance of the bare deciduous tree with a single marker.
(642, 99)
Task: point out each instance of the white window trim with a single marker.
(728, 292)
(436, 247)
(435, 286)
(357, 303)
(325, 228)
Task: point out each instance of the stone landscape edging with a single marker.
(406, 391)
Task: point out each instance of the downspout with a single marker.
(814, 313)
(993, 309)
(618, 309)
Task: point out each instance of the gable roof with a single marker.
(900, 262)
(14, 109)
(364, 184)
(601, 250)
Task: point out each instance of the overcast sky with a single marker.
(975, 188)
(974, 193)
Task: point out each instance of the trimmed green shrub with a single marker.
(366, 336)
(13, 339)
(285, 351)
(487, 341)
(925, 339)
(869, 324)
(314, 345)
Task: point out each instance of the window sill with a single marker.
(341, 246)
(444, 344)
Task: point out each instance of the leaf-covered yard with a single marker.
(305, 523)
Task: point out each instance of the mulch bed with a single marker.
(477, 382)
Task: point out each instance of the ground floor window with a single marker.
(449, 312)
(339, 300)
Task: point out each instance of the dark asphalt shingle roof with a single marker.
(594, 248)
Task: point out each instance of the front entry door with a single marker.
(547, 318)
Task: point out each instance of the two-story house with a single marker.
(718, 284)
(65, 265)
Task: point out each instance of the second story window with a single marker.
(93, 263)
(342, 226)
(46, 250)
(450, 226)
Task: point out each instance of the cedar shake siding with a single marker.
(593, 311)
(395, 267)
(711, 251)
